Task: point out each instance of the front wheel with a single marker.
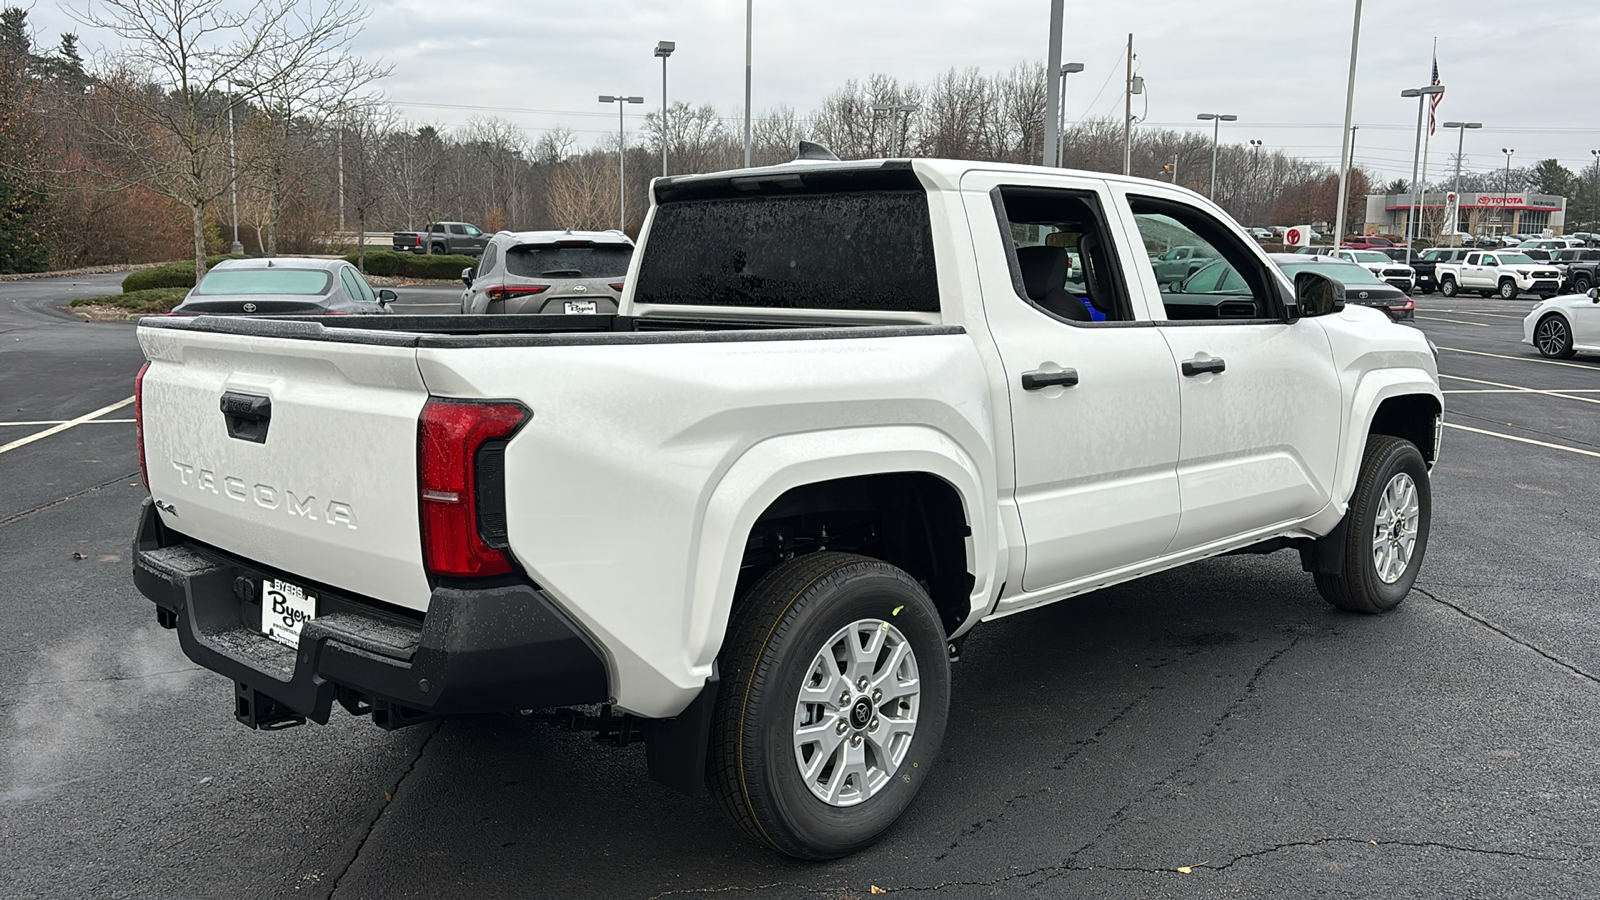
(834, 699)
(1447, 287)
(1580, 284)
(1508, 290)
(1386, 532)
(1553, 338)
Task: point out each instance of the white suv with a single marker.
(561, 272)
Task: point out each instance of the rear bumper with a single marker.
(479, 649)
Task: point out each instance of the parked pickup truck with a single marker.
(846, 413)
(1580, 268)
(1427, 264)
(1505, 272)
(441, 238)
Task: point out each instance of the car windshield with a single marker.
(1367, 256)
(292, 282)
(1513, 259)
(569, 260)
(1342, 272)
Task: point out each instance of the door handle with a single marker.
(1038, 381)
(1192, 367)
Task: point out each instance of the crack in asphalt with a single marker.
(388, 797)
(1208, 738)
(1503, 632)
(60, 500)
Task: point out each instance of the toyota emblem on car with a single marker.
(249, 307)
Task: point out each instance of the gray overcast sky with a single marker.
(1523, 69)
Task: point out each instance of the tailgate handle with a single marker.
(247, 415)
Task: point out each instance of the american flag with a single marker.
(1433, 101)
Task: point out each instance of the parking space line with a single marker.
(65, 421)
(22, 442)
(1523, 440)
(1517, 389)
(1512, 390)
(1473, 312)
(1548, 362)
(1456, 321)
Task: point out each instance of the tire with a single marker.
(1553, 338)
(1508, 289)
(1393, 500)
(785, 634)
(1447, 286)
(1581, 284)
(436, 249)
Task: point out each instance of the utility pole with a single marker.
(1127, 113)
(1347, 137)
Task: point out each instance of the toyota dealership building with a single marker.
(1483, 213)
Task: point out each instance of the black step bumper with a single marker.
(495, 648)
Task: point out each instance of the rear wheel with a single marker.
(1581, 284)
(437, 250)
(833, 705)
(1553, 338)
(1386, 532)
(1508, 289)
(1447, 286)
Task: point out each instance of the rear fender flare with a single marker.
(769, 468)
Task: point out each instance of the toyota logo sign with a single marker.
(249, 307)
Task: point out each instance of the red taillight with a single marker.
(1407, 303)
(449, 436)
(504, 291)
(617, 285)
(138, 423)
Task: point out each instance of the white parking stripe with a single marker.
(65, 421)
(1519, 389)
(1473, 312)
(1454, 321)
(1548, 362)
(1523, 440)
(22, 442)
(1513, 390)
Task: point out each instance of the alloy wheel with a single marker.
(1394, 535)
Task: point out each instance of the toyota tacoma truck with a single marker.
(442, 239)
(1505, 272)
(846, 414)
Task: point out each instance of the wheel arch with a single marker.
(1402, 402)
(918, 467)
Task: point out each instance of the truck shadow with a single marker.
(501, 804)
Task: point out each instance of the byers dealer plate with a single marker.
(285, 608)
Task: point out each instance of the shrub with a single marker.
(171, 275)
(413, 265)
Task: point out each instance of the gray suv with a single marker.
(559, 272)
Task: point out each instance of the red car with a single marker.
(1366, 242)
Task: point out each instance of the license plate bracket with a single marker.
(581, 308)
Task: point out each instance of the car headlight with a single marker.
(1522, 272)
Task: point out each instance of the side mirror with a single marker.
(386, 297)
(1594, 294)
(466, 276)
(1317, 295)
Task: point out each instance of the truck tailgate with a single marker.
(298, 455)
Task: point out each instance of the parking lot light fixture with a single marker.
(1216, 120)
(1071, 68)
(233, 167)
(622, 156)
(905, 109)
(664, 49)
(1505, 189)
(1461, 132)
(1422, 94)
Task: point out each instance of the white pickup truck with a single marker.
(847, 413)
(1505, 272)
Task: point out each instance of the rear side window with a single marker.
(847, 250)
(569, 260)
(491, 257)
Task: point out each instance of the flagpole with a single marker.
(1427, 137)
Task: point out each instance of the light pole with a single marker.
(747, 30)
(664, 49)
(1594, 198)
(1216, 120)
(1461, 136)
(233, 169)
(1505, 188)
(1347, 137)
(907, 109)
(1052, 87)
(1070, 68)
(1255, 174)
(622, 156)
(1422, 94)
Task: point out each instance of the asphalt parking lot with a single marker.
(1214, 731)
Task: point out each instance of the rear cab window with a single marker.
(857, 240)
